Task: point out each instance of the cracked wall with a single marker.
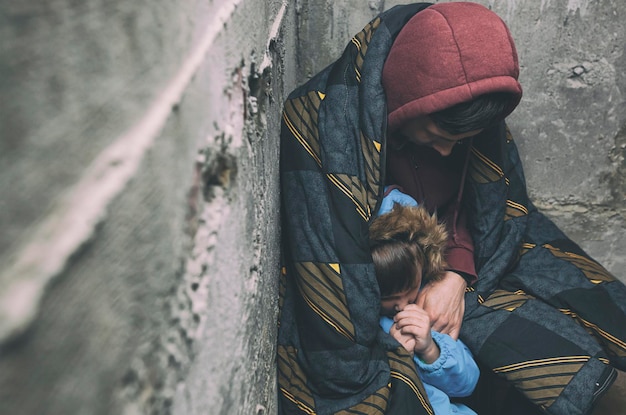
(139, 207)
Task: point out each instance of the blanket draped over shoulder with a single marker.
(543, 314)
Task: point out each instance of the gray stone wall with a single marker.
(139, 184)
(139, 205)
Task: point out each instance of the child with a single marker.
(407, 247)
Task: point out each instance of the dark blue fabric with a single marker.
(540, 302)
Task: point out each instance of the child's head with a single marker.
(407, 246)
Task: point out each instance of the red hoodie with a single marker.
(438, 60)
(435, 182)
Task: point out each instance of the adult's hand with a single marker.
(444, 300)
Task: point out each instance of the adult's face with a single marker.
(424, 132)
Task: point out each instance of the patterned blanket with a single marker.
(543, 314)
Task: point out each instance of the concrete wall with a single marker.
(139, 204)
(139, 184)
(571, 124)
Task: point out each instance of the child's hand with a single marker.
(414, 321)
(406, 340)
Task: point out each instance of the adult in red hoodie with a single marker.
(439, 102)
(418, 100)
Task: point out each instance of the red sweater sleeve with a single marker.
(460, 252)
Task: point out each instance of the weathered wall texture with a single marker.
(139, 204)
(571, 124)
(139, 183)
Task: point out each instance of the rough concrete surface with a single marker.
(570, 124)
(139, 207)
(139, 183)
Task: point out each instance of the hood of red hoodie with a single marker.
(447, 54)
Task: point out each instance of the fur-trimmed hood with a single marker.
(413, 224)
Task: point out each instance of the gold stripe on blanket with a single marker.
(614, 344)
(300, 116)
(321, 287)
(541, 363)
(594, 272)
(514, 210)
(506, 300)
(543, 380)
(355, 191)
(403, 368)
(375, 404)
(370, 148)
(371, 156)
(362, 40)
(525, 247)
(292, 380)
(483, 170)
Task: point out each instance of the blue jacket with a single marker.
(453, 375)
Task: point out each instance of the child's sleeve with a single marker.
(393, 195)
(386, 323)
(455, 372)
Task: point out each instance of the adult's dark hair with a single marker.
(480, 113)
